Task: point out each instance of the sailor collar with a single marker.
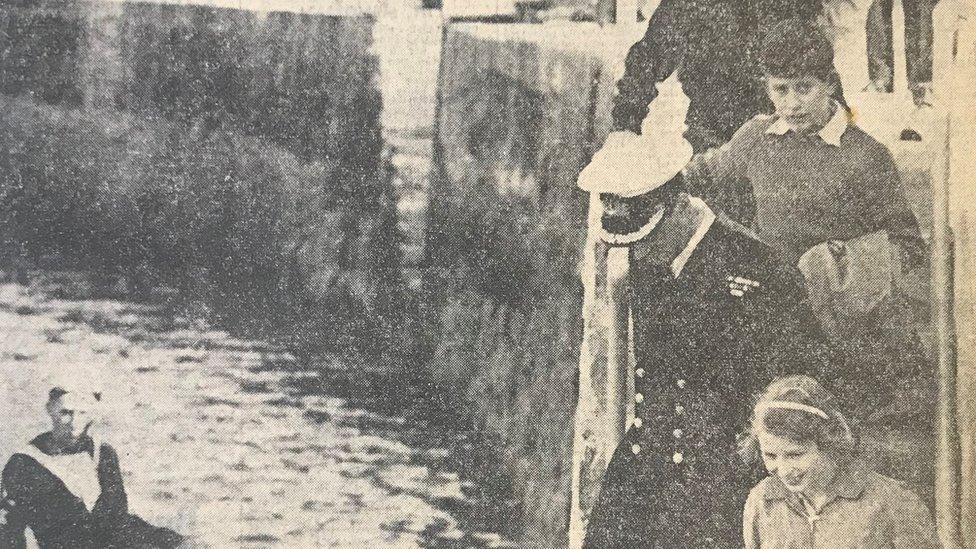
(85, 444)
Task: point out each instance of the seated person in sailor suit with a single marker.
(66, 486)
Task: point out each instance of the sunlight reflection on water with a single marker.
(229, 440)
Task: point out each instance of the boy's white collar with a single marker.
(830, 133)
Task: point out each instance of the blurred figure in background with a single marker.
(918, 43)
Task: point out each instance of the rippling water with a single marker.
(234, 441)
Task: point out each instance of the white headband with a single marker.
(764, 407)
(787, 405)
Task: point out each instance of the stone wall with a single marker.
(521, 108)
(235, 153)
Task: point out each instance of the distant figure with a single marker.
(716, 316)
(918, 43)
(715, 43)
(818, 493)
(67, 487)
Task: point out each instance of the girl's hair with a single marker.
(800, 409)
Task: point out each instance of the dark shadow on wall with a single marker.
(39, 56)
(502, 293)
(235, 155)
(477, 228)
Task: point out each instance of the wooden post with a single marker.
(604, 377)
(954, 300)
(947, 439)
(962, 218)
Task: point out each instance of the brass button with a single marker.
(639, 372)
(638, 398)
(638, 422)
(678, 433)
(635, 449)
(677, 457)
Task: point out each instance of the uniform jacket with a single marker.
(702, 354)
(35, 497)
(715, 42)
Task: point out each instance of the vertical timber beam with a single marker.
(604, 372)
(962, 218)
(953, 270)
(947, 439)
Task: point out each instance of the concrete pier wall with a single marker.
(521, 109)
(238, 153)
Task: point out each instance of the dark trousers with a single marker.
(918, 42)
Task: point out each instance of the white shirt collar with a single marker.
(708, 217)
(628, 239)
(830, 133)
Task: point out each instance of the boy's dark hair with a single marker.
(796, 47)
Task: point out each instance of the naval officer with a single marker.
(716, 316)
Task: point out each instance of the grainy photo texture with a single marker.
(486, 274)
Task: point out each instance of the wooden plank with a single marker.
(953, 257)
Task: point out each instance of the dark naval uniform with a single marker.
(702, 353)
(36, 497)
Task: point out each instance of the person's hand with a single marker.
(838, 248)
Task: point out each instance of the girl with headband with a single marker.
(818, 493)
